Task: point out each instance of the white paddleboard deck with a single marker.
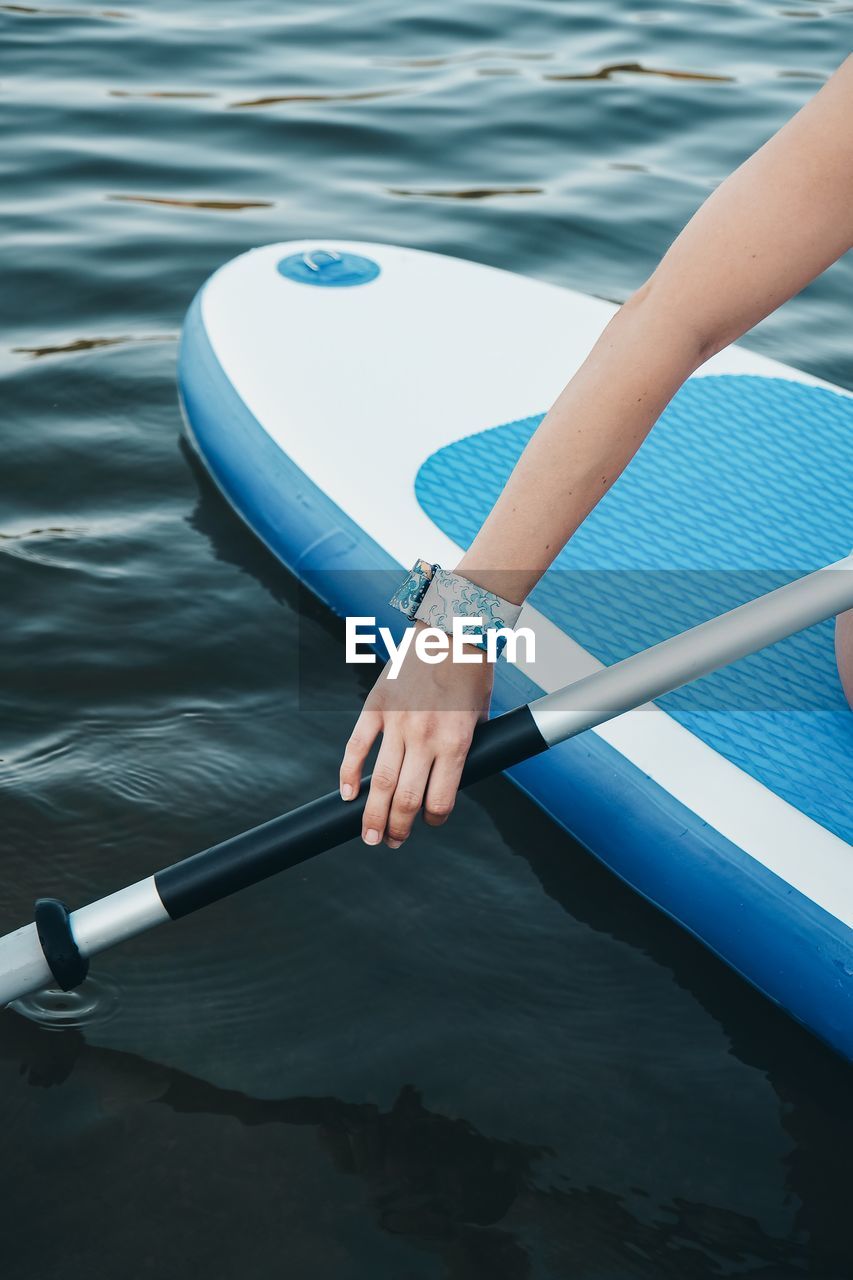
(380, 399)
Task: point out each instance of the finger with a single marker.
(408, 795)
(362, 738)
(444, 780)
(383, 782)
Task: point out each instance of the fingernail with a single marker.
(371, 836)
(394, 844)
(346, 791)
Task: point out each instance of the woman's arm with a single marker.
(777, 222)
(773, 225)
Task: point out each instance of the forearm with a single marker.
(770, 228)
(582, 445)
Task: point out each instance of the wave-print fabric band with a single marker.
(436, 596)
(412, 589)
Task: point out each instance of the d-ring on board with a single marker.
(309, 257)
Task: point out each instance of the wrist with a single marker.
(476, 654)
(458, 605)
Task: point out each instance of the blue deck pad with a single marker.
(744, 483)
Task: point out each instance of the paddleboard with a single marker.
(361, 405)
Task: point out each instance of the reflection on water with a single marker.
(486, 1060)
(48, 12)
(365, 95)
(469, 1199)
(35, 545)
(471, 193)
(91, 344)
(637, 69)
(225, 206)
(177, 94)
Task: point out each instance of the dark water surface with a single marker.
(478, 1059)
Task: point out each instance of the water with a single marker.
(481, 1057)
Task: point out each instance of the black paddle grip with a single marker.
(322, 824)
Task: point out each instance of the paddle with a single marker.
(55, 949)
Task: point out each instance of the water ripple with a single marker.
(465, 193)
(364, 95)
(177, 202)
(116, 15)
(77, 345)
(31, 546)
(637, 69)
(474, 55)
(94, 1002)
(169, 94)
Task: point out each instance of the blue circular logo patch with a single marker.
(328, 268)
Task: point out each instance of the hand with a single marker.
(427, 717)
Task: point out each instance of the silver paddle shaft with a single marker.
(101, 924)
(694, 653)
